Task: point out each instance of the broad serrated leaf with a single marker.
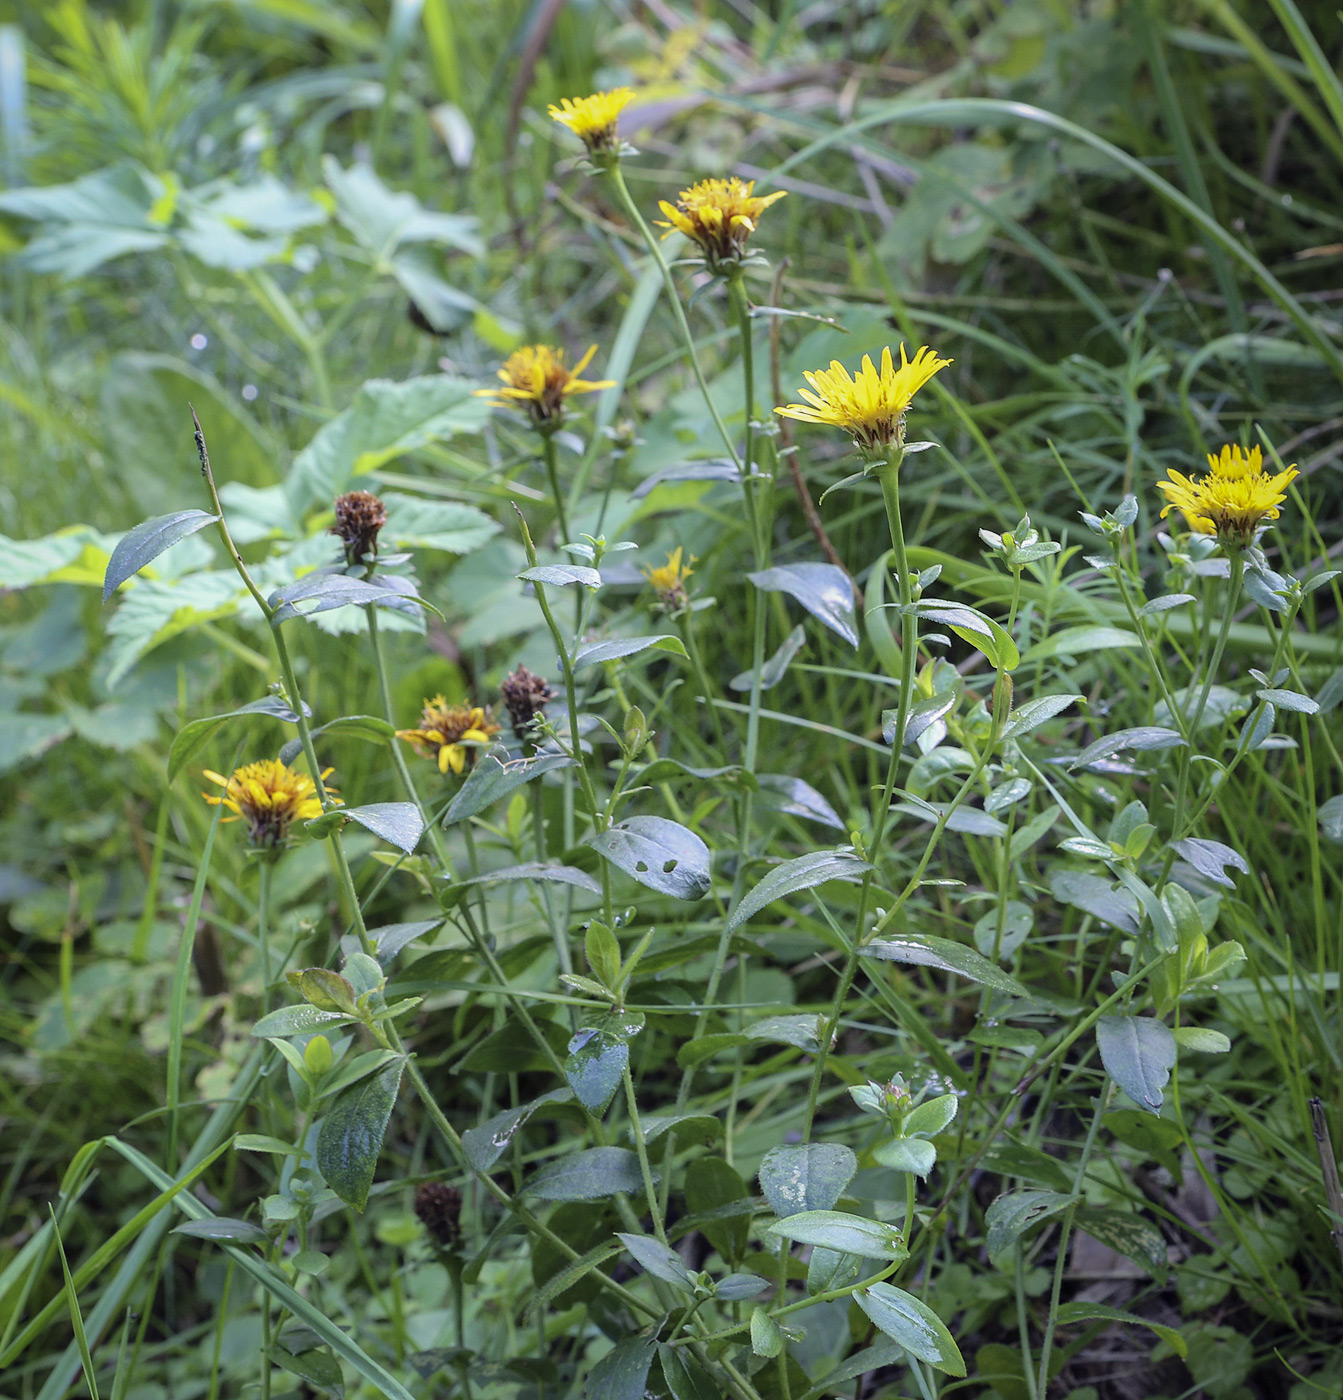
(416, 523)
(386, 420)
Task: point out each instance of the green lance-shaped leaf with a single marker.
(623, 1372)
(191, 737)
(618, 647)
(490, 780)
(844, 1233)
(822, 589)
(913, 1324)
(1138, 1053)
(351, 1134)
(941, 953)
(587, 1176)
(146, 542)
(804, 873)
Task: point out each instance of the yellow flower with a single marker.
(446, 730)
(870, 407)
(593, 119)
(719, 215)
(536, 378)
(1233, 500)
(668, 581)
(270, 796)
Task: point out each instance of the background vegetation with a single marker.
(322, 224)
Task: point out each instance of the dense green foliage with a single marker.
(778, 1020)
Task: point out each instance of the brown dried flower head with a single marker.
(439, 1207)
(359, 517)
(525, 695)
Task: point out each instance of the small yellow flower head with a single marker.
(446, 731)
(537, 379)
(593, 119)
(719, 215)
(669, 581)
(870, 406)
(269, 796)
(1233, 500)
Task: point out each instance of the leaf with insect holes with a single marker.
(658, 853)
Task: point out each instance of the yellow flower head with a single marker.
(593, 119)
(1233, 500)
(870, 406)
(537, 379)
(719, 215)
(668, 581)
(446, 730)
(269, 796)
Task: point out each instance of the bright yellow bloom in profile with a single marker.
(869, 406)
(593, 119)
(1233, 500)
(269, 796)
(719, 215)
(668, 580)
(537, 379)
(446, 730)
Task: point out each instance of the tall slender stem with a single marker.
(1214, 666)
(263, 927)
(549, 456)
(889, 475)
(617, 179)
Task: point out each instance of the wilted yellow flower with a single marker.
(593, 119)
(668, 580)
(1233, 500)
(719, 215)
(270, 796)
(446, 730)
(870, 407)
(537, 379)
